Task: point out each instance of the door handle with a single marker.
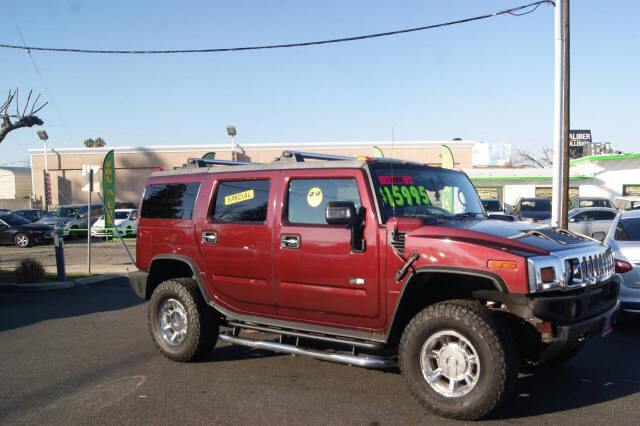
(209, 237)
(290, 241)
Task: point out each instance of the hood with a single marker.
(54, 220)
(511, 235)
(100, 222)
(34, 227)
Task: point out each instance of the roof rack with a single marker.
(299, 156)
(206, 162)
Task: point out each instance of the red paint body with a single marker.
(248, 272)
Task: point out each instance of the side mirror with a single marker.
(341, 213)
(344, 213)
(573, 219)
(600, 236)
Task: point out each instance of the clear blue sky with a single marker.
(490, 80)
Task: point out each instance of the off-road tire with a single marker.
(22, 240)
(202, 323)
(498, 358)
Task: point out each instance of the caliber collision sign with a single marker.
(577, 140)
(109, 187)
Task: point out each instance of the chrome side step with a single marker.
(360, 361)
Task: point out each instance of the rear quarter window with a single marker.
(170, 201)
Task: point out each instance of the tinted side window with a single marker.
(170, 201)
(604, 215)
(241, 201)
(308, 198)
(628, 229)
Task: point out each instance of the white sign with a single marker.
(85, 178)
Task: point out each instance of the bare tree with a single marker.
(524, 158)
(20, 119)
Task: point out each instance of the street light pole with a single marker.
(43, 135)
(231, 131)
(560, 188)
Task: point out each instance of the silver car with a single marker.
(590, 221)
(624, 239)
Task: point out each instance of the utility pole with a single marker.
(561, 116)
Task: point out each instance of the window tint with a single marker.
(308, 198)
(581, 217)
(604, 215)
(241, 201)
(628, 229)
(170, 201)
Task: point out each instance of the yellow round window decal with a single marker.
(314, 197)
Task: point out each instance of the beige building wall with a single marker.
(134, 164)
(15, 183)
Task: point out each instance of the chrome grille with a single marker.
(594, 267)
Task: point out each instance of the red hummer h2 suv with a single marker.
(367, 262)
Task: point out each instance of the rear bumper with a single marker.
(138, 283)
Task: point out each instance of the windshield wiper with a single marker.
(467, 214)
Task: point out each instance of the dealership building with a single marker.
(608, 176)
(134, 164)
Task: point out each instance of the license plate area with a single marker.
(607, 325)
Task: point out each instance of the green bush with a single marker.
(30, 271)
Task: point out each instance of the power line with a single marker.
(511, 11)
(53, 101)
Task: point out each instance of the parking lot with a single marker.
(106, 257)
(84, 356)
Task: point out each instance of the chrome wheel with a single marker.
(22, 240)
(450, 363)
(172, 319)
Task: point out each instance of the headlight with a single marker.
(546, 273)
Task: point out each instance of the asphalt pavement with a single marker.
(84, 356)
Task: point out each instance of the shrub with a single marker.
(30, 271)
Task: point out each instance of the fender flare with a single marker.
(194, 270)
(497, 281)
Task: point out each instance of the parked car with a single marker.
(71, 220)
(533, 209)
(577, 202)
(624, 239)
(383, 262)
(589, 221)
(17, 230)
(494, 209)
(30, 214)
(126, 221)
(630, 202)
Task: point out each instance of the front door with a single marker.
(235, 242)
(318, 276)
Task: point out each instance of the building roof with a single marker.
(530, 173)
(17, 170)
(303, 146)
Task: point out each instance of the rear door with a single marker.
(318, 277)
(235, 241)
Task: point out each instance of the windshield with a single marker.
(14, 219)
(121, 215)
(492, 205)
(543, 205)
(67, 211)
(596, 203)
(420, 191)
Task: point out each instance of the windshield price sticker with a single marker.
(239, 197)
(405, 195)
(395, 180)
